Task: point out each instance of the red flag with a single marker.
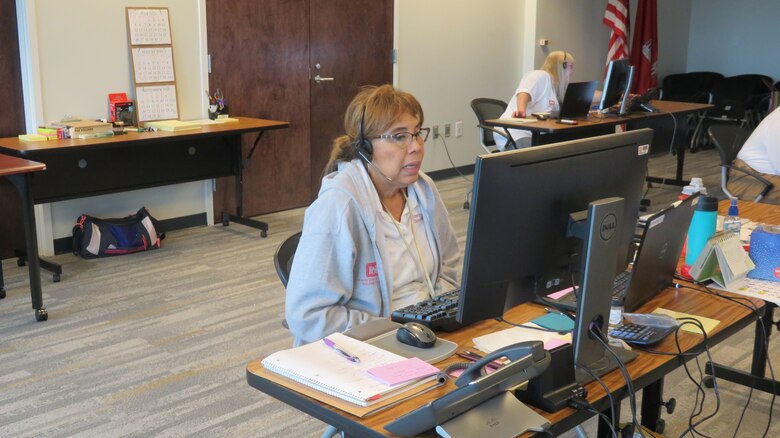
(644, 50)
(617, 18)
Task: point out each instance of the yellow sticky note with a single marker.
(708, 323)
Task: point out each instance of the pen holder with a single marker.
(215, 111)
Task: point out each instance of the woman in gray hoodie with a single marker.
(378, 236)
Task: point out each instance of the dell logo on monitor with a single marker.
(608, 226)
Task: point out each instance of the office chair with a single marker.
(728, 139)
(740, 100)
(283, 258)
(486, 108)
(694, 87)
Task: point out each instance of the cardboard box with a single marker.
(121, 109)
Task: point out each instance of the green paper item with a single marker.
(555, 321)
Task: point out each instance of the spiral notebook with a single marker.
(324, 369)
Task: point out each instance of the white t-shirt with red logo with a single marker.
(538, 84)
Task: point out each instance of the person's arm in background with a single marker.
(522, 104)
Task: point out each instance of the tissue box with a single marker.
(765, 253)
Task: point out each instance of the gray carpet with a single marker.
(156, 344)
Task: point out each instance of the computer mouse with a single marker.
(416, 335)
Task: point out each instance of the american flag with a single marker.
(617, 18)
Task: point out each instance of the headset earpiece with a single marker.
(565, 63)
(364, 146)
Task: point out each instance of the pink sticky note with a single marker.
(402, 371)
(560, 293)
(552, 343)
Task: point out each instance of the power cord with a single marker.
(447, 151)
(741, 301)
(577, 402)
(596, 332)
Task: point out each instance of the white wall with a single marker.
(450, 52)
(734, 37)
(81, 49)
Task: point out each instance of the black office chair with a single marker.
(694, 87)
(486, 108)
(283, 258)
(741, 100)
(728, 139)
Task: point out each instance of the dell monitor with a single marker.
(520, 243)
(617, 85)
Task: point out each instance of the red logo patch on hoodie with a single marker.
(371, 270)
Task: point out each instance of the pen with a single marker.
(331, 344)
(475, 357)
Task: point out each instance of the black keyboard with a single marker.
(438, 313)
(640, 334)
(619, 290)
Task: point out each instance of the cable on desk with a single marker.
(596, 332)
(578, 403)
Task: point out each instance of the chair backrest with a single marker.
(689, 87)
(283, 257)
(728, 139)
(486, 108)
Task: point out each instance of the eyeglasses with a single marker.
(404, 139)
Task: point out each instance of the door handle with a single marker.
(319, 79)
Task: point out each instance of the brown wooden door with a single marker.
(261, 56)
(11, 124)
(351, 42)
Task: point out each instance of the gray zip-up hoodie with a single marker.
(338, 279)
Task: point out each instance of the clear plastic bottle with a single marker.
(731, 223)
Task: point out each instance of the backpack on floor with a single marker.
(94, 237)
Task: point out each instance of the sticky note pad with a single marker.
(402, 371)
(708, 323)
(555, 321)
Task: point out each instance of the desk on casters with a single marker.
(647, 371)
(549, 131)
(78, 168)
(19, 172)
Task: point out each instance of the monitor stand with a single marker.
(600, 232)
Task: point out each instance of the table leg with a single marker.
(22, 184)
(603, 428)
(235, 144)
(755, 379)
(652, 396)
(2, 282)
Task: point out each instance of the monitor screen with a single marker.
(617, 83)
(517, 244)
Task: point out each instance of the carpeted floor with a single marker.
(156, 344)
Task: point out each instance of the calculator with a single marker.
(640, 334)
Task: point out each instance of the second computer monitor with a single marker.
(517, 244)
(617, 85)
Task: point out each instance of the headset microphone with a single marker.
(370, 163)
(365, 144)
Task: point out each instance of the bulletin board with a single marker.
(151, 51)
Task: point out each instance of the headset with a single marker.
(565, 63)
(364, 146)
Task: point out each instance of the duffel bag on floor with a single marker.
(94, 237)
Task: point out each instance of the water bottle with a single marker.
(702, 227)
(732, 224)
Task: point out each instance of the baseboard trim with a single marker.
(451, 172)
(64, 245)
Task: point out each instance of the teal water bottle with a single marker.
(702, 227)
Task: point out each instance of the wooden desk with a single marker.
(768, 214)
(79, 168)
(647, 370)
(19, 172)
(550, 131)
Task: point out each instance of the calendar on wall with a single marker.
(151, 50)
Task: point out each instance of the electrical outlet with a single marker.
(458, 128)
(435, 131)
(447, 130)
